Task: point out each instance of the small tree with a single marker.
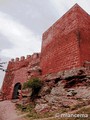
(35, 84)
(2, 67)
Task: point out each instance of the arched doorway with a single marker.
(15, 91)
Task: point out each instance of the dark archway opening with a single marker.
(17, 87)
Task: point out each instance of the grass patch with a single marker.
(81, 111)
(33, 115)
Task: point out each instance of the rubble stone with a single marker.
(42, 108)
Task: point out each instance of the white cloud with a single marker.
(63, 5)
(24, 40)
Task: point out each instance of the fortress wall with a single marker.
(17, 73)
(84, 35)
(60, 44)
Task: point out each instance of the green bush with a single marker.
(33, 83)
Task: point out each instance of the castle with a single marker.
(65, 45)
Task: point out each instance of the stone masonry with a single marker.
(19, 71)
(65, 46)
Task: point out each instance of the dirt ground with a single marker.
(8, 111)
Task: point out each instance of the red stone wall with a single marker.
(8, 81)
(84, 35)
(17, 73)
(61, 46)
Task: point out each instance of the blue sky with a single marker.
(22, 23)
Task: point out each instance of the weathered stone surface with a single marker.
(68, 98)
(71, 92)
(42, 108)
(45, 90)
(81, 71)
(58, 91)
(83, 92)
(66, 74)
(27, 92)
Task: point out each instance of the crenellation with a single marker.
(22, 58)
(35, 56)
(28, 57)
(17, 59)
(12, 60)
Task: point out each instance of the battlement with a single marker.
(28, 57)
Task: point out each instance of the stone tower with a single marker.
(66, 44)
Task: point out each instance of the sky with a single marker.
(22, 23)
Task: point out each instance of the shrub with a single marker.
(35, 84)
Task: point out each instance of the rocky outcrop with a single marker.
(64, 90)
